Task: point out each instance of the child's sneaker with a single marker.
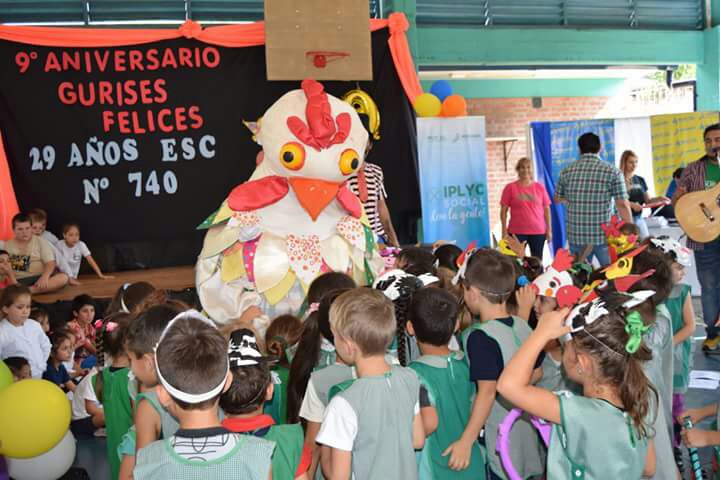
(100, 432)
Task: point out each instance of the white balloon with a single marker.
(49, 466)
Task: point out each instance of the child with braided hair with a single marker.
(111, 386)
(283, 333)
(604, 433)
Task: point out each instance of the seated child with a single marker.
(283, 333)
(488, 280)
(19, 367)
(194, 370)
(38, 217)
(88, 414)
(7, 276)
(74, 250)
(81, 325)
(40, 315)
(243, 406)
(372, 427)
(26, 339)
(603, 434)
(446, 391)
(62, 350)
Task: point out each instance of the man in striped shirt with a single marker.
(369, 187)
(701, 175)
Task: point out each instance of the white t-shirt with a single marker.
(312, 408)
(73, 255)
(340, 424)
(28, 341)
(50, 237)
(84, 391)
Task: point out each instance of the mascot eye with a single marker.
(292, 156)
(349, 161)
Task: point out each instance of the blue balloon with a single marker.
(441, 89)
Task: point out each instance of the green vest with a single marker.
(168, 424)
(682, 352)
(277, 406)
(118, 413)
(249, 460)
(289, 441)
(385, 409)
(554, 377)
(447, 380)
(594, 441)
(526, 452)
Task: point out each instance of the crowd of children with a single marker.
(413, 378)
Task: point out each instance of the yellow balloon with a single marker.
(34, 417)
(6, 376)
(427, 105)
(362, 102)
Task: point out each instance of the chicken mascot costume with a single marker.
(295, 218)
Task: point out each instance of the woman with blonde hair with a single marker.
(637, 191)
(529, 206)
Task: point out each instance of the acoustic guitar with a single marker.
(699, 214)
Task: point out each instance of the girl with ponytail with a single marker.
(605, 433)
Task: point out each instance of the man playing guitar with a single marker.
(703, 174)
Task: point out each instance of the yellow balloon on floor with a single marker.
(6, 377)
(34, 417)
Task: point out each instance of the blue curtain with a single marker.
(542, 141)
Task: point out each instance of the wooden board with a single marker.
(296, 32)
(171, 278)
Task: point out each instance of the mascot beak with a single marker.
(314, 194)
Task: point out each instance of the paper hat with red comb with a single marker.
(462, 262)
(557, 282)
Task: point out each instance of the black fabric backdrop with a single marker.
(158, 229)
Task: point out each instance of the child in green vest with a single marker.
(682, 315)
(603, 434)
(315, 350)
(152, 421)
(317, 393)
(111, 383)
(446, 392)
(243, 406)
(373, 427)
(193, 369)
(658, 337)
(283, 333)
(488, 278)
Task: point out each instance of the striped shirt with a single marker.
(693, 180)
(375, 187)
(589, 185)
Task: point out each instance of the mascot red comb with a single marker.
(295, 218)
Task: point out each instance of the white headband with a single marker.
(123, 307)
(192, 398)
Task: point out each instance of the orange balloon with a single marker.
(454, 106)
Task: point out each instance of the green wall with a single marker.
(523, 88)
